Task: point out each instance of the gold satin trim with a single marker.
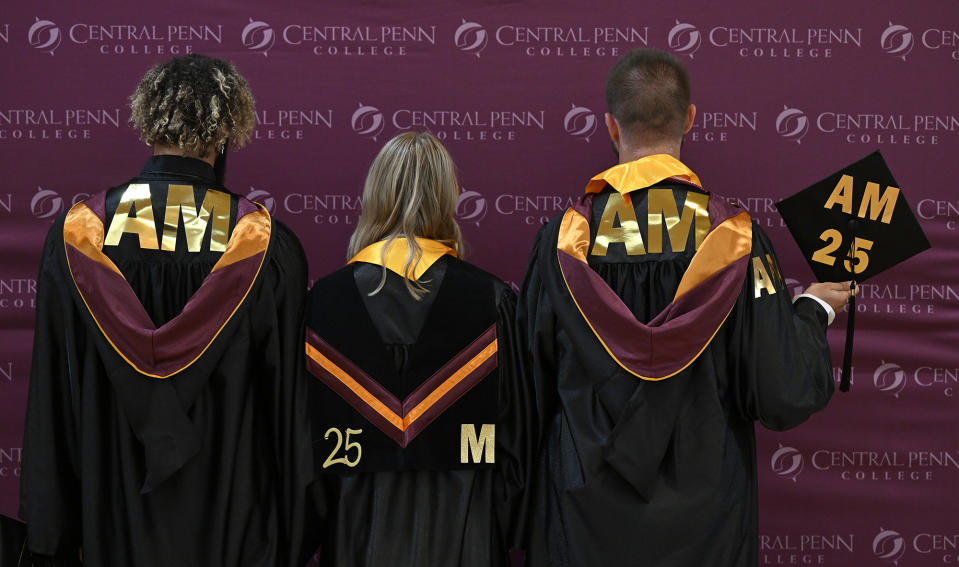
(451, 382)
(641, 173)
(364, 394)
(250, 237)
(728, 242)
(397, 255)
(402, 423)
(83, 230)
(573, 240)
(574, 235)
(84, 218)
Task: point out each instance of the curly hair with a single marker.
(194, 103)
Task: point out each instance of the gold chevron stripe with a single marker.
(375, 403)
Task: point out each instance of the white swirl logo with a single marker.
(258, 36)
(889, 378)
(368, 121)
(888, 545)
(794, 287)
(262, 197)
(44, 35)
(470, 207)
(897, 41)
(787, 462)
(792, 124)
(580, 122)
(684, 39)
(471, 37)
(46, 204)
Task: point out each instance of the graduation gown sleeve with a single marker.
(284, 308)
(50, 489)
(782, 364)
(519, 422)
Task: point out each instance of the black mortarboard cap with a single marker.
(852, 225)
(863, 198)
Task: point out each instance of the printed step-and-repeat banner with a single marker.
(786, 95)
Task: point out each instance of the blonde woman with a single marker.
(417, 406)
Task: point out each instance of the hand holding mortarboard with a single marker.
(853, 225)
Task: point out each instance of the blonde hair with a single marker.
(411, 191)
(193, 103)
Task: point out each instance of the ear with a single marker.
(613, 128)
(690, 118)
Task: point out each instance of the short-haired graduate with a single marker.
(166, 418)
(659, 329)
(419, 412)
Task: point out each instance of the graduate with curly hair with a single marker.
(165, 421)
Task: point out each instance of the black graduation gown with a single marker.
(13, 535)
(404, 497)
(166, 420)
(649, 455)
(14, 552)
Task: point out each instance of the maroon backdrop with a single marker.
(515, 89)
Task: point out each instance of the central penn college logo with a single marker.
(262, 197)
(792, 124)
(471, 37)
(580, 122)
(888, 545)
(258, 36)
(684, 39)
(889, 378)
(787, 462)
(795, 287)
(46, 204)
(44, 35)
(897, 41)
(368, 121)
(470, 207)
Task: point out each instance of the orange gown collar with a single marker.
(642, 173)
(396, 256)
